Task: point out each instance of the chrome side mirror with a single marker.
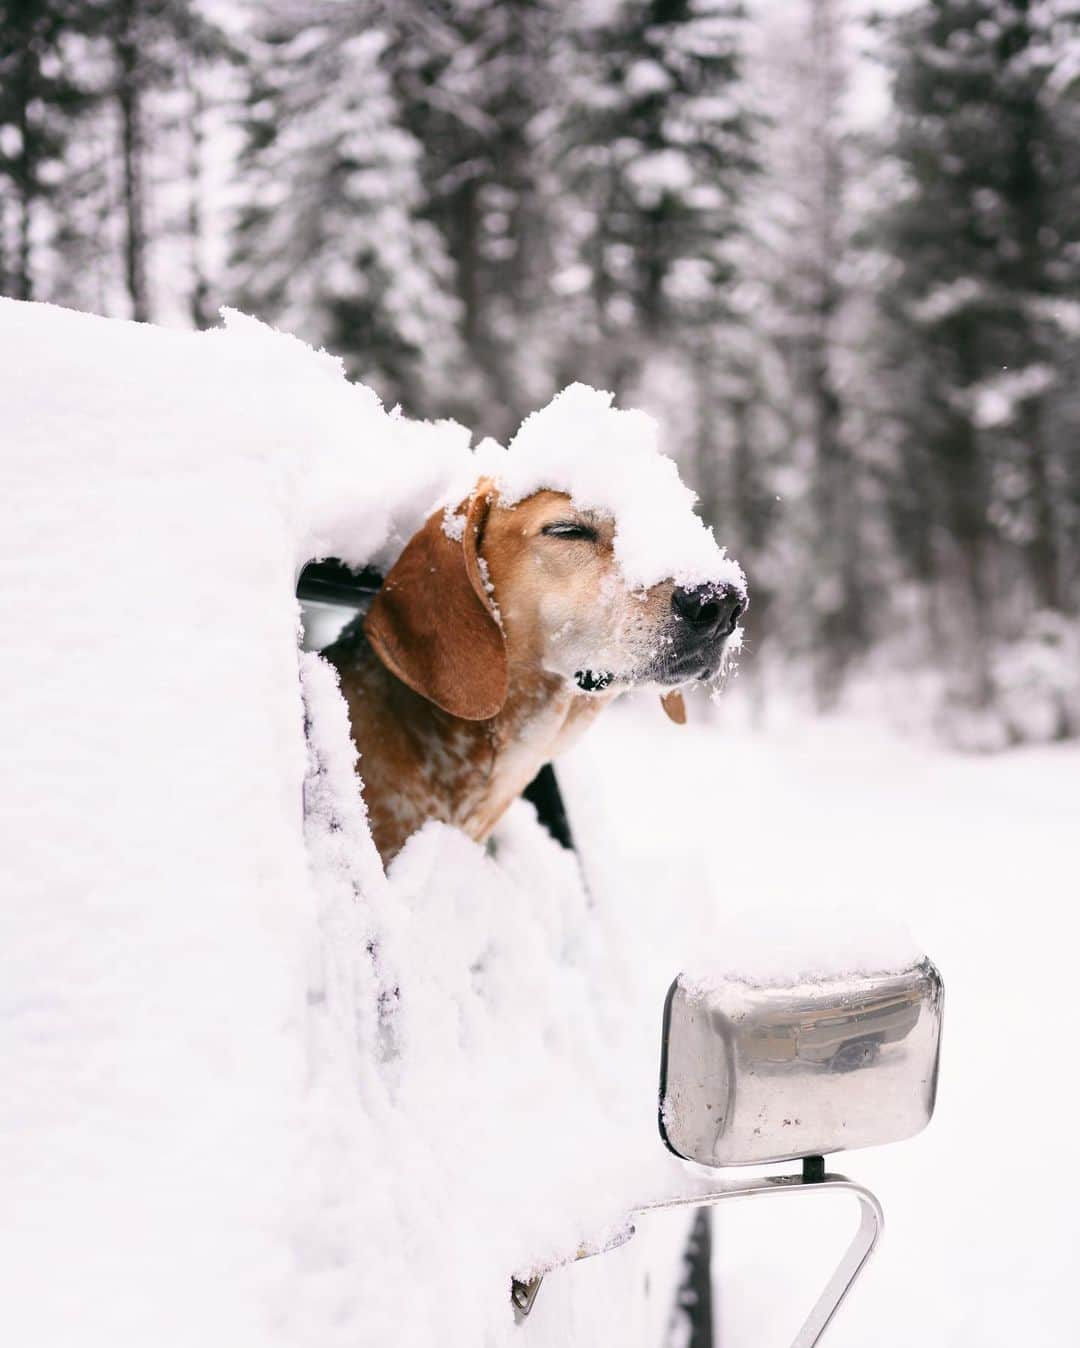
(753, 1073)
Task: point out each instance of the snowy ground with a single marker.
(978, 856)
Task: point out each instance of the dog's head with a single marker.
(490, 589)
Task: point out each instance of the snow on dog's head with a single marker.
(608, 459)
(594, 545)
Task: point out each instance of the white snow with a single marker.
(608, 459)
(255, 1092)
(784, 945)
(104, 398)
(995, 402)
(490, 1108)
(947, 299)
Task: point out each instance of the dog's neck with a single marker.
(420, 763)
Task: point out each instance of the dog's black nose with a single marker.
(710, 608)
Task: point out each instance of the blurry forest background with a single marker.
(837, 252)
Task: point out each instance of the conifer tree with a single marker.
(101, 113)
(476, 88)
(41, 97)
(656, 145)
(986, 237)
(801, 255)
(153, 45)
(329, 241)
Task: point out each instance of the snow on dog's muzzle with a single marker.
(703, 627)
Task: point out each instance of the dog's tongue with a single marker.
(674, 705)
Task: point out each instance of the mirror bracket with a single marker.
(814, 1178)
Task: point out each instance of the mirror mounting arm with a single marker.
(813, 1177)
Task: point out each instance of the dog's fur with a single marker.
(467, 674)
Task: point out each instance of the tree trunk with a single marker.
(1043, 553)
(26, 180)
(965, 494)
(5, 287)
(200, 286)
(129, 99)
(749, 538)
(837, 620)
(23, 279)
(1027, 196)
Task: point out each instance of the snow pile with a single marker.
(497, 1107)
(608, 459)
(778, 946)
(243, 403)
(256, 1092)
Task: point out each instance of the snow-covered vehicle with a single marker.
(261, 1091)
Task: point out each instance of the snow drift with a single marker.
(256, 1091)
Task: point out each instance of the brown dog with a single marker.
(498, 635)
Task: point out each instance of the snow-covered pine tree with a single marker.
(798, 275)
(654, 148)
(981, 311)
(42, 96)
(475, 86)
(155, 49)
(113, 91)
(328, 241)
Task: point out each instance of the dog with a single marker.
(496, 638)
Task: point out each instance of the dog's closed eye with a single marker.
(570, 529)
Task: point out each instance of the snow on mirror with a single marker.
(756, 1072)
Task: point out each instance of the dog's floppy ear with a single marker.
(433, 624)
(674, 705)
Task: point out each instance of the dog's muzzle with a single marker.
(693, 642)
(703, 619)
